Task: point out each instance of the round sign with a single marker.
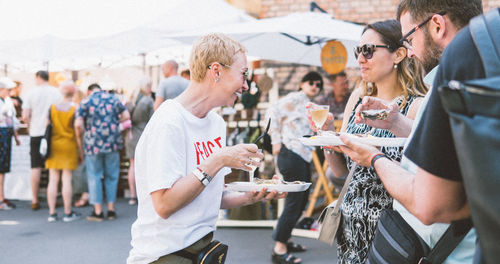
(333, 57)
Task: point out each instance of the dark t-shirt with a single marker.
(432, 147)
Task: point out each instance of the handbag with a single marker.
(330, 217)
(395, 241)
(214, 253)
(46, 139)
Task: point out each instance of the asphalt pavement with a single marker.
(26, 237)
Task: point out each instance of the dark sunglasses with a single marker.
(367, 50)
(318, 84)
(404, 40)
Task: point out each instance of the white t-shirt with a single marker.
(172, 145)
(39, 101)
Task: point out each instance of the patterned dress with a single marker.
(365, 198)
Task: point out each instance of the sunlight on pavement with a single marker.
(7, 222)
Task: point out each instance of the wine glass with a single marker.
(319, 114)
(252, 172)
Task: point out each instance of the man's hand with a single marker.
(18, 142)
(360, 153)
(81, 157)
(373, 103)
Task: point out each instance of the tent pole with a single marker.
(143, 55)
(313, 6)
(5, 71)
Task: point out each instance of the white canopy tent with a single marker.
(295, 38)
(51, 31)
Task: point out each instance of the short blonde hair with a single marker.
(214, 47)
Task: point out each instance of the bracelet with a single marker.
(202, 176)
(376, 157)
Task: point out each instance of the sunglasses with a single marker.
(244, 72)
(404, 40)
(318, 84)
(367, 50)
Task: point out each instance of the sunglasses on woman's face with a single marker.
(316, 83)
(367, 50)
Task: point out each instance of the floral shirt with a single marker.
(101, 115)
(289, 123)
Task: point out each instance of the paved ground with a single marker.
(26, 237)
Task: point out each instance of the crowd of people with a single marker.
(87, 133)
(176, 144)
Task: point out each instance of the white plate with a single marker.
(251, 186)
(333, 140)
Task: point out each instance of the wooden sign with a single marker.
(333, 57)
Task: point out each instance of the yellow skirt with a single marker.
(63, 154)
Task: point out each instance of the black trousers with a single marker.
(293, 168)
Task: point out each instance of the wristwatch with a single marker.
(202, 176)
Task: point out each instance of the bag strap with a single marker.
(344, 189)
(449, 240)
(485, 32)
(50, 115)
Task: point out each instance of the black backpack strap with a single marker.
(449, 240)
(485, 31)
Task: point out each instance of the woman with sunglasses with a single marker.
(289, 123)
(387, 73)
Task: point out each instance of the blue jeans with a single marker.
(107, 165)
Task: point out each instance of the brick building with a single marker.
(359, 11)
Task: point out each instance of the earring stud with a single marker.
(217, 79)
(395, 66)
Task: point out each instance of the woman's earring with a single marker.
(217, 79)
(395, 66)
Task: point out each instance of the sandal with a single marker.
(294, 247)
(284, 259)
(81, 202)
(132, 201)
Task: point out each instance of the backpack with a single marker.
(474, 114)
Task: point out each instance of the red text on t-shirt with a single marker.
(205, 149)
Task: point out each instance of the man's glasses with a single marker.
(367, 50)
(318, 84)
(404, 40)
(245, 72)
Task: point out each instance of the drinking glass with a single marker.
(319, 114)
(252, 172)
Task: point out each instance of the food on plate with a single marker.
(380, 114)
(275, 181)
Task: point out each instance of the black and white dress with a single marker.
(365, 198)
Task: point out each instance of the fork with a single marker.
(265, 132)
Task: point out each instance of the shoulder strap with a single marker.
(449, 240)
(485, 31)
(344, 189)
(50, 113)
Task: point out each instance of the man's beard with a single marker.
(432, 53)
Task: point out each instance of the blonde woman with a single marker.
(140, 106)
(181, 159)
(390, 75)
(63, 157)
